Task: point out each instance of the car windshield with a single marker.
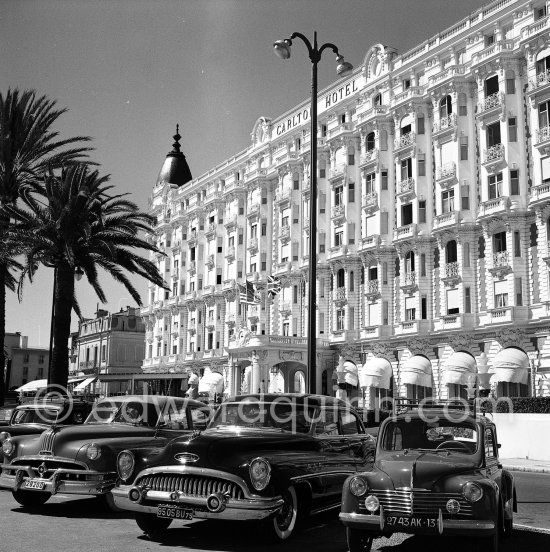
(36, 415)
(138, 413)
(103, 412)
(181, 416)
(283, 416)
(443, 435)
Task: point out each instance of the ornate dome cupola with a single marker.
(175, 169)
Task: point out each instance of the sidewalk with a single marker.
(522, 464)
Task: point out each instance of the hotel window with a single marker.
(384, 272)
(466, 255)
(264, 196)
(422, 211)
(26, 357)
(406, 169)
(406, 84)
(410, 309)
(512, 129)
(342, 118)
(491, 86)
(519, 291)
(421, 164)
(464, 148)
(241, 207)
(384, 180)
(286, 328)
(25, 372)
(254, 231)
(465, 197)
(321, 243)
(338, 238)
(351, 157)
(323, 130)
(510, 82)
(264, 228)
(493, 134)
(517, 244)
(370, 141)
(445, 107)
(467, 300)
(406, 129)
(462, 104)
(499, 242)
(501, 294)
(544, 119)
(264, 262)
(252, 267)
(384, 140)
(351, 233)
(495, 186)
(370, 183)
(406, 214)
(321, 323)
(384, 222)
(40, 359)
(322, 202)
(295, 246)
(351, 192)
(453, 301)
(296, 184)
(424, 307)
(420, 124)
(514, 182)
(295, 214)
(385, 313)
(377, 100)
(423, 264)
(448, 201)
(489, 40)
(340, 318)
(338, 195)
(409, 262)
(539, 13)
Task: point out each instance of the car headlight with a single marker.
(260, 473)
(472, 492)
(8, 447)
(358, 486)
(93, 452)
(125, 464)
(4, 435)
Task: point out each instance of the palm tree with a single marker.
(28, 146)
(76, 224)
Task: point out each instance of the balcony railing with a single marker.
(452, 270)
(446, 171)
(372, 287)
(370, 200)
(494, 153)
(494, 100)
(406, 186)
(338, 211)
(501, 259)
(542, 134)
(368, 156)
(409, 279)
(339, 295)
(284, 233)
(405, 140)
(445, 123)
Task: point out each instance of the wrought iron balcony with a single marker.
(404, 141)
(339, 296)
(445, 123)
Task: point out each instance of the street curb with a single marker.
(533, 469)
(523, 527)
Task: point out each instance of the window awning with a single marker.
(350, 372)
(510, 365)
(376, 372)
(81, 386)
(211, 382)
(193, 379)
(417, 370)
(460, 369)
(33, 386)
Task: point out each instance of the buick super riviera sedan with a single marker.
(437, 471)
(271, 458)
(82, 460)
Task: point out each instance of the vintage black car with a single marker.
(437, 471)
(274, 458)
(82, 460)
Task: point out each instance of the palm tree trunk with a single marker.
(64, 290)
(2, 331)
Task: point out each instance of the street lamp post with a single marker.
(343, 69)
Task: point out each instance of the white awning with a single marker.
(350, 372)
(33, 386)
(460, 369)
(211, 382)
(193, 379)
(76, 379)
(417, 370)
(510, 365)
(84, 384)
(376, 372)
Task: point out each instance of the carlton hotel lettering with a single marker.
(329, 100)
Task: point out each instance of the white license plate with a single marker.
(34, 484)
(411, 522)
(174, 512)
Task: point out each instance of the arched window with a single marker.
(299, 382)
(445, 107)
(340, 278)
(370, 141)
(409, 262)
(491, 86)
(450, 252)
(377, 100)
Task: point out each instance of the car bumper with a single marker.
(96, 483)
(376, 524)
(235, 509)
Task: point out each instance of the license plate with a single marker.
(34, 484)
(174, 512)
(415, 522)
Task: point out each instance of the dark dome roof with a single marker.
(175, 169)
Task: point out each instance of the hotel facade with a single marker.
(433, 230)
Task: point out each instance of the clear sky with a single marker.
(129, 70)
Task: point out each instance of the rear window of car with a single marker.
(39, 415)
(460, 437)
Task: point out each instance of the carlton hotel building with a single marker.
(433, 237)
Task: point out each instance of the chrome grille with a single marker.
(419, 502)
(191, 485)
(46, 441)
(49, 465)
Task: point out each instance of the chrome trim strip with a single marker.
(48, 458)
(321, 474)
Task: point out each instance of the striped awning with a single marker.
(376, 372)
(460, 369)
(417, 370)
(510, 365)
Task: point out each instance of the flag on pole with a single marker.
(273, 286)
(248, 293)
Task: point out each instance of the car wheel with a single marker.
(282, 525)
(153, 526)
(30, 499)
(359, 541)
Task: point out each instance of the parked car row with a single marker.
(274, 459)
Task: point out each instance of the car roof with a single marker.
(300, 398)
(159, 399)
(441, 413)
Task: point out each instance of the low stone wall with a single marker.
(523, 435)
